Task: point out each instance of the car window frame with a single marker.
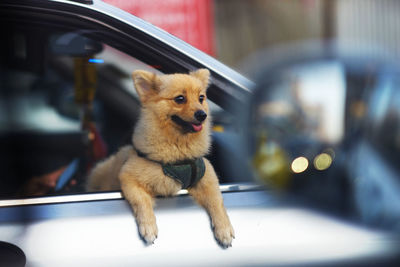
(140, 40)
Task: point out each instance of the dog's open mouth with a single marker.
(186, 125)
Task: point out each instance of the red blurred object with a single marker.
(99, 147)
(189, 20)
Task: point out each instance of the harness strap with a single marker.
(187, 172)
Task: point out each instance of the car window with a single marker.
(67, 101)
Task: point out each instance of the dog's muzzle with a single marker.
(188, 126)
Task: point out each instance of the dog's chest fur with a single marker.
(145, 172)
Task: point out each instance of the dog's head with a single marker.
(177, 100)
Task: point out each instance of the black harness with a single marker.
(186, 172)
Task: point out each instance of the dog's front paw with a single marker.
(149, 232)
(224, 234)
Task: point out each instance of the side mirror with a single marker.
(325, 129)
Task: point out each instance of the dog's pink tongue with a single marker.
(197, 128)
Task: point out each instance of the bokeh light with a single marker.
(299, 164)
(323, 161)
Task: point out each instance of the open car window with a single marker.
(67, 101)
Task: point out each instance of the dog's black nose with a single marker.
(200, 115)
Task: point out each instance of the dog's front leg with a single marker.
(142, 205)
(207, 194)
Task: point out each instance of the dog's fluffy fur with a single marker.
(164, 140)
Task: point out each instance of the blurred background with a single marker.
(231, 30)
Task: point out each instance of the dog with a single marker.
(169, 142)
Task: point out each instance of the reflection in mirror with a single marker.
(303, 112)
(312, 98)
(327, 133)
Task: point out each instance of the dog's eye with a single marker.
(201, 98)
(180, 99)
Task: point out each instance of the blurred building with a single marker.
(369, 25)
(231, 30)
(189, 20)
(243, 27)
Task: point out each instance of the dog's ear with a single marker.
(203, 75)
(145, 83)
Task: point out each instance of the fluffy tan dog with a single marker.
(169, 143)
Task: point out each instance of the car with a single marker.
(67, 101)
